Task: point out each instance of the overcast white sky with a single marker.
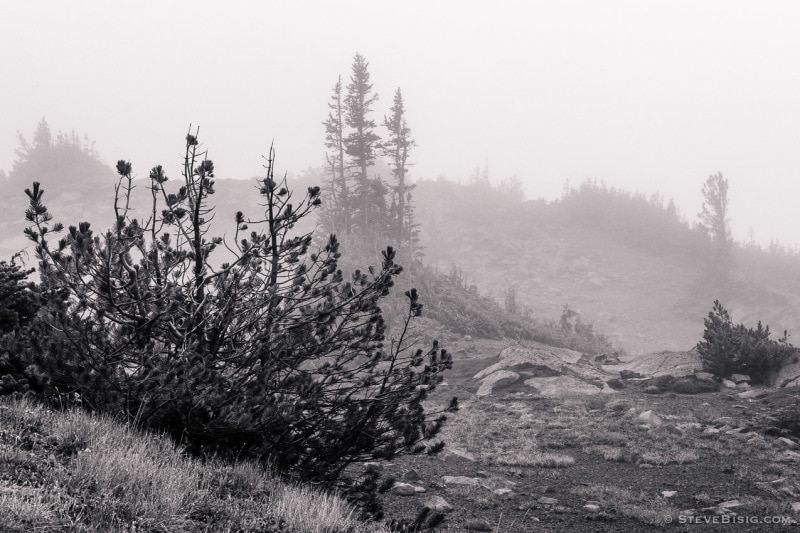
(646, 95)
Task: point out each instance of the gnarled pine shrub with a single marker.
(271, 355)
(730, 349)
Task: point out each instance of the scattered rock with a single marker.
(503, 492)
(669, 493)
(752, 393)
(704, 376)
(496, 379)
(774, 484)
(403, 489)
(789, 456)
(730, 504)
(671, 429)
(560, 386)
(411, 476)
(592, 508)
(651, 419)
(373, 467)
(478, 525)
(729, 384)
(740, 378)
(452, 454)
(460, 480)
(438, 504)
(544, 500)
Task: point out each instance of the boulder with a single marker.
(560, 386)
(496, 379)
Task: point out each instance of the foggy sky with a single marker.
(647, 96)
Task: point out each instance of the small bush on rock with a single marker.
(728, 349)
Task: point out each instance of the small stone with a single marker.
(403, 489)
(744, 386)
(373, 467)
(411, 476)
(592, 508)
(651, 389)
(704, 376)
(740, 378)
(478, 525)
(420, 490)
(729, 384)
(628, 374)
(796, 507)
(460, 480)
(454, 454)
(502, 492)
(669, 493)
(544, 500)
(752, 393)
(789, 444)
(651, 419)
(438, 504)
(710, 431)
(730, 504)
(789, 456)
(721, 420)
(672, 429)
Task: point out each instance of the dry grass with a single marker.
(652, 510)
(71, 471)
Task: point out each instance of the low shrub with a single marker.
(735, 349)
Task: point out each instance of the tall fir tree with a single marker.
(336, 210)
(361, 145)
(397, 148)
(714, 220)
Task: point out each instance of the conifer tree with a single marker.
(271, 355)
(714, 220)
(361, 145)
(336, 210)
(397, 148)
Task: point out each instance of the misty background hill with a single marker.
(630, 266)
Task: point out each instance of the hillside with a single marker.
(628, 265)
